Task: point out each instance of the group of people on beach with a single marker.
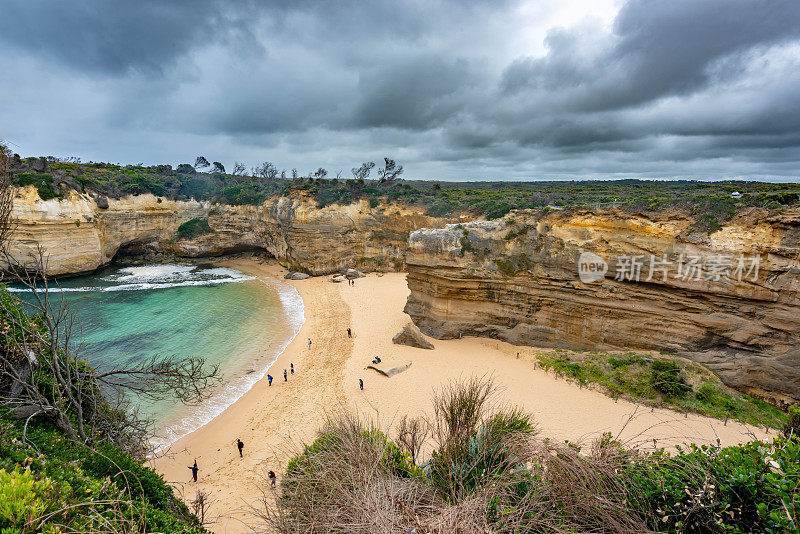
(285, 375)
(240, 444)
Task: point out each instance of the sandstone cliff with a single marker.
(728, 300)
(80, 233)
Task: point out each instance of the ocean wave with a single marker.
(151, 277)
(294, 307)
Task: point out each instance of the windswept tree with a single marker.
(201, 163)
(362, 172)
(218, 167)
(390, 171)
(320, 173)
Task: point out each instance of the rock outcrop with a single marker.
(78, 236)
(611, 280)
(410, 335)
(81, 233)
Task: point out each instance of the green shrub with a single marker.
(665, 378)
(193, 228)
(42, 182)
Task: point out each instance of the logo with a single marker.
(591, 267)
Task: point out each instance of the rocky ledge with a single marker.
(609, 280)
(80, 233)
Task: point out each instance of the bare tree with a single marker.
(283, 174)
(43, 374)
(362, 172)
(390, 171)
(320, 173)
(266, 170)
(294, 174)
(238, 169)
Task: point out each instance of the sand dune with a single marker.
(274, 421)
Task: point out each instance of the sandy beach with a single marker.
(274, 421)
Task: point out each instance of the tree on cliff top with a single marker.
(390, 171)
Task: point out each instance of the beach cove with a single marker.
(274, 421)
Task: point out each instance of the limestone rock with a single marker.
(81, 233)
(296, 276)
(518, 279)
(352, 273)
(388, 369)
(338, 279)
(410, 335)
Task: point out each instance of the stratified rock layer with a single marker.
(79, 236)
(517, 279)
(410, 335)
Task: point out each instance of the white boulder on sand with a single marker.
(389, 369)
(339, 278)
(296, 276)
(410, 335)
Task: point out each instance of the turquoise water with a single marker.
(130, 314)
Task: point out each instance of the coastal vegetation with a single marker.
(662, 381)
(476, 466)
(709, 203)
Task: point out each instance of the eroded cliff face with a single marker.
(728, 300)
(79, 236)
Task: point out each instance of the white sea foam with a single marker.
(293, 305)
(150, 277)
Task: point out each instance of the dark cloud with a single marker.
(453, 89)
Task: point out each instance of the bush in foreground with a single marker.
(488, 471)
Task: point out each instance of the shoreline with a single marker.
(294, 310)
(275, 421)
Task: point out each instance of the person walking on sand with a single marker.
(285, 378)
(272, 479)
(269, 379)
(309, 343)
(240, 445)
(194, 470)
(291, 366)
(349, 333)
(361, 384)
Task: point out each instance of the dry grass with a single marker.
(489, 472)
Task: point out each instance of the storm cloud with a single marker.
(452, 89)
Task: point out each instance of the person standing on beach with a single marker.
(349, 333)
(291, 366)
(240, 445)
(194, 470)
(269, 379)
(285, 378)
(272, 479)
(309, 343)
(361, 384)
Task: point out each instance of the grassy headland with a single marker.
(710, 203)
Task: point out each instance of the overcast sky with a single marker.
(451, 89)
